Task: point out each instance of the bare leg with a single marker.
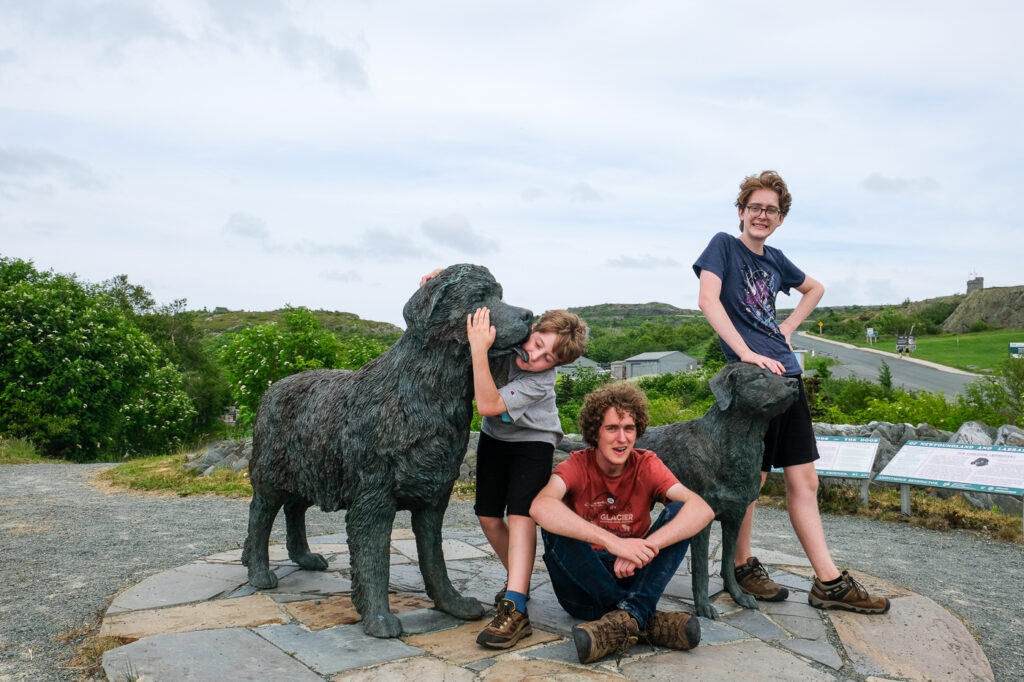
(522, 550)
(496, 531)
(743, 551)
(802, 501)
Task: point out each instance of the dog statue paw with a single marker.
(465, 608)
(262, 578)
(310, 561)
(707, 611)
(745, 600)
(382, 625)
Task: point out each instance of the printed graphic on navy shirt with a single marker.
(758, 299)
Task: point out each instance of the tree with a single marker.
(885, 379)
(77, 377)
(258, 356)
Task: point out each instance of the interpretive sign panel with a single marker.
(985, 468)
(844, 457)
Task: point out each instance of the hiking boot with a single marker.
(673, 630)
(847, 594)
(500, 594)
(506, 628)
(614, 632)
(753, 579)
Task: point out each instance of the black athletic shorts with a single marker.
(510, 474)
(790, 436)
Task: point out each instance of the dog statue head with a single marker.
(436, 313)
(752, 390)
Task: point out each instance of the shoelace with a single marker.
(504, 615)
(857, 587)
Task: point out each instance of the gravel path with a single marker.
(67, 547)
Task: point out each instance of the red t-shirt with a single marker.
(621, 505)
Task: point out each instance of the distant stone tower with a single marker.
(976, 284)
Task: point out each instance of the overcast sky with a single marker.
(256, 153)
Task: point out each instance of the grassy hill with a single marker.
(634, 314)
(217, 323)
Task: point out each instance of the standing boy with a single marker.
(608, 564)
(518, 435)
(739, 280)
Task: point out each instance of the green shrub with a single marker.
(77, 376)
(258, 356)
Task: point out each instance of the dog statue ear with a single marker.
(425, 302)
(722, 386)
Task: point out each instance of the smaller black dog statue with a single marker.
(718, 456)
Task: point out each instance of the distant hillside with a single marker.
(633, 314)
(340, 323)
(996, 308)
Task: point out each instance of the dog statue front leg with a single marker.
(368, 522)
(730, 533)
(426, 524)
(699, 546)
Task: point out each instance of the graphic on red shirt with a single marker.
(620, 505)
(615, 515)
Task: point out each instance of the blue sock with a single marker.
(517, 598)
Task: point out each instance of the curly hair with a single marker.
(625, 397)
(770, 180)
(570, 334)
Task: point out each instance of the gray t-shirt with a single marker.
(531, 414)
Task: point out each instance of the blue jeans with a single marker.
(584, 578)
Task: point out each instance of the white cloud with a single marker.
(642, 262)
(876, 182)
(455, 231)
(248, 226)
(135, 127)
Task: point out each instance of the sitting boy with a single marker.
(607, 563)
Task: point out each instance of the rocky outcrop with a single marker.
(998, 308)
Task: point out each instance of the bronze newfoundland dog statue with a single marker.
(390, 435)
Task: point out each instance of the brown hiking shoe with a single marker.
(753, 579)
(673, 630)
(506, 628)
(847, 594)
(614, 632)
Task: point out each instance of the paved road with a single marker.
(910, 373)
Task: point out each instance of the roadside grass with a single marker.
(20, 451)
(976, 351)
(926, 511)
(165, 475)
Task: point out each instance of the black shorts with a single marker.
(790, 436)
(510, 474)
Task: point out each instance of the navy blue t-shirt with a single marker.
(750, 284)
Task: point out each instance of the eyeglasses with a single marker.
(755, 211)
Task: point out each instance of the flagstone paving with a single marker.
(202, 621)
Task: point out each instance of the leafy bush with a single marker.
(79, 379)
(999, 399)
(258, 356)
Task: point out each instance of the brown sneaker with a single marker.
(753, 579)
(614, 632)
(847, 594)
(673, 630)
(506, 628)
